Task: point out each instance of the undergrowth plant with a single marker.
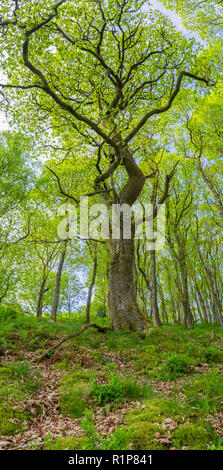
(119, 440)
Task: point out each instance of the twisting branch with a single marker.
(164, 196)
(165, 108)
(64, 193)
(45, 85)
(69, 196)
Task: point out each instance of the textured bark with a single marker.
(123, 309)
(58, 280)
(124, 312)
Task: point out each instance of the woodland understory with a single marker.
(108, 390)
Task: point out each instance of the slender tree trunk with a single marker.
(188, 317)
(216, 311)
(69, 307)
(40, 298)
(164, 312)
(154, 302)
(58, 280)
(88, 306)
(203, 307)
(123, 309)
(198, 307)
(217, 194)
(173, 306)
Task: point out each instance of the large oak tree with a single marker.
(98, 73)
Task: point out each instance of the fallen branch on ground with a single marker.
(51, 350)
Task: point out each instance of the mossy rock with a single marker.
(74, 393)
(144, 437)
(72, 403)
(62, 365)
(11, 420)
(5, 373)
(218, 356)
(9, 387)
(149, 413)
(65, 443)
(76, 376)
(155, 411)
(193, 436)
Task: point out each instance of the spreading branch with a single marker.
(51, 350)
(165, 108)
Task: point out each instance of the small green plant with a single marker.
(135, 390)
(119, 440)
(118, 389)
(21, 369)
(110, 392)
(175, 365)
(200, 354)
(8, 312)
(207, 354)
(205, 392)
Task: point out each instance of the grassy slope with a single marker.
(167, 387)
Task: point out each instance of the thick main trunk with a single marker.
(123, 309)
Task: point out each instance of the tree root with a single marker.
(51, 350)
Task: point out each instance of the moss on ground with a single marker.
(144, 437)
(193, 396)
(11, 419)
(192, 436)
(17, 381)
(149, 412)
(64, 443)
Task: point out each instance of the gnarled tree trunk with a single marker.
(123, 309)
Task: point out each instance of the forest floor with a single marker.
(159, 391)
